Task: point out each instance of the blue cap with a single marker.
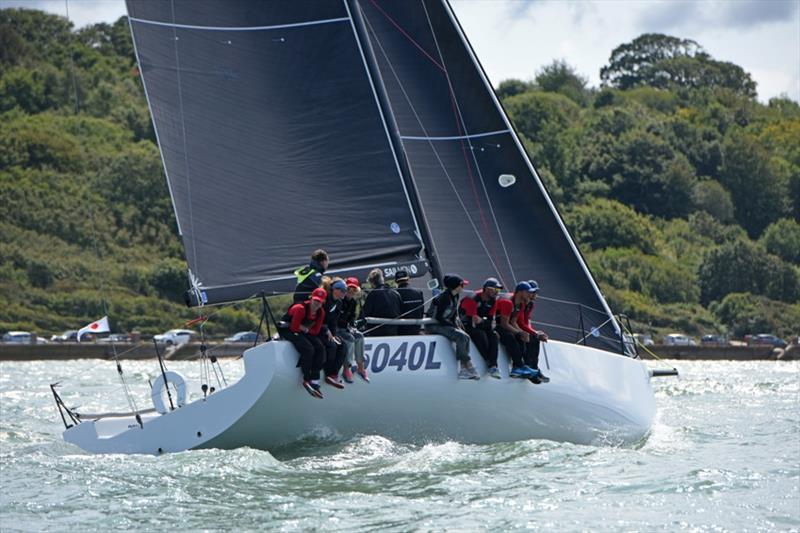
(524, 286)
(534, 285)
(493, 283)
(339, 284)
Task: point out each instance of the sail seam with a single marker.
(452, 137)
(238, 28)
(433, 148)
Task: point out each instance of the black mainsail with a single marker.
(486, 208)
(364, 126)
(272, 140)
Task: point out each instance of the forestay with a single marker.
(272, 139)
(487, 210)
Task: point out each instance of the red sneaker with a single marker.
(347, 374)
(363, 373)
(334, 381)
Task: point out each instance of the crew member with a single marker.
(334, 347)
(513, 330)
(382, 302)
(309, 277)
(412, 305)
(444, 310)
(301, 326)
(532, 351)
(352, 338)
(478, 314)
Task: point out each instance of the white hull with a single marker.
(593, 397)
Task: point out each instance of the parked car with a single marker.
(645, 339)
(679, 339)
(243, 336)
(713, 339)
(116, 337)
(765, 339)
(71, 335)
(21, 337)
(175, 336)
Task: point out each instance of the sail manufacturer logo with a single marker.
(413, 356)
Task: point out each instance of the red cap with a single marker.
(352, 282)
(319, 294)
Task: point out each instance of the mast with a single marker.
(397, 143)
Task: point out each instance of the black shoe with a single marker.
(544, 378)
(535, 380)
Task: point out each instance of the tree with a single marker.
(663, 61)
(744, 313)
(710, 196)
(512, 87)
(631, 64)
(782, 238)
(743, 266)
(758, 183)
(560, 77)
(609, 224)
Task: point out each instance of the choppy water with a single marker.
(723, 456)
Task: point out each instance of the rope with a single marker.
(645, 348)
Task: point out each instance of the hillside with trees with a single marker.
(682, 190)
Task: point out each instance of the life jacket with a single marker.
(484, 309)
(307, 321)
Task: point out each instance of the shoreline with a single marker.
(146, 350)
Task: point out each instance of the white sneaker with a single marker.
(468, 372)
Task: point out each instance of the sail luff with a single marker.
(384, 106)
(504, 116)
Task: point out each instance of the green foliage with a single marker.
(512, 88)
(610, 224)
(743, 266)
(745, 313)
(710, 196)
(653, 277)
(782, 238)
(758, 182)
(559, 77)
(666, 62)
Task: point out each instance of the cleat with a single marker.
(312, 389)
(334, 381)
(494, 372)
(347, 374)
(363, 373)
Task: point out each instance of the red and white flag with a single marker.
(99, 326)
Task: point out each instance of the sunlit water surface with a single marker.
(724, 455)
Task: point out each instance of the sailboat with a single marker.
(368, 128)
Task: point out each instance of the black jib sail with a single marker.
(486, 209)
(272, 139)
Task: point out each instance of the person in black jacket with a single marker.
(413, 302)
(445, 311)
(334, 347)
(382, 302)
(309, 277)
(478, 316)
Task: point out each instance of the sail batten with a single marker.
(239, 28)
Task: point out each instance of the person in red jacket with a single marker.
(477, 315)
(532, 352)
(515, 331)
(301, 325)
